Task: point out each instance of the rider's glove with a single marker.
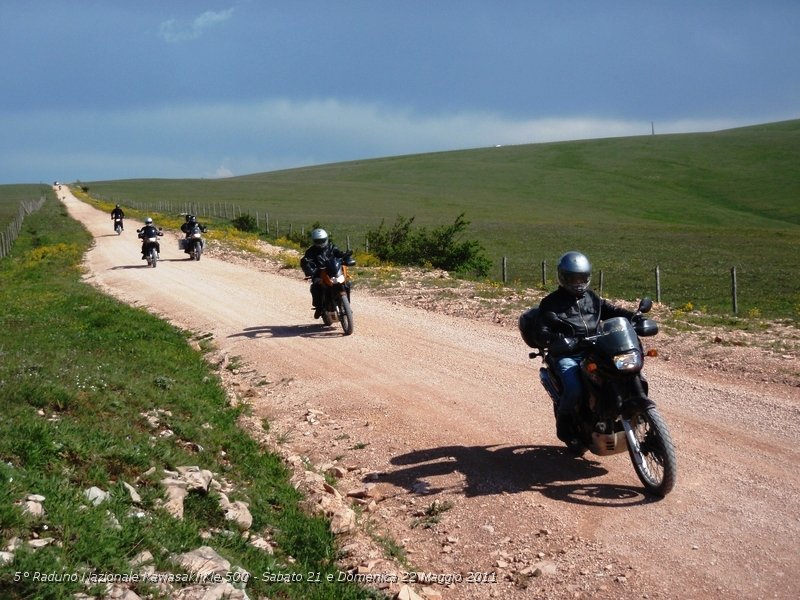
(563, 345)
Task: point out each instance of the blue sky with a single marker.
(113, 89)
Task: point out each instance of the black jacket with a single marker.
(188, 226)
(315, 257)
(575, 317)
(117, 212)
(148, 231)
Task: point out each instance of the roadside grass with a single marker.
(694, 205)
(78, 372)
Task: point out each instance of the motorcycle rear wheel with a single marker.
(345, 314)
(653, 455)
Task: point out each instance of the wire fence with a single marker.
(11, 232)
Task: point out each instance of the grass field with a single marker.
(77, 371)
(694, 205)
(12, 195)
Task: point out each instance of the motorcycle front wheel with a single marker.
(652, 452)
(345, 314)
(153, 257)
(196, 251)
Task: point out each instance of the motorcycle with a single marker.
(118, 225)
(616, 413)
(150, 247)
(193, 243)
(336, 292)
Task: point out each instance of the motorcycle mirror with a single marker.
(645, 305)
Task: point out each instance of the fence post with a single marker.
(734, 291)
(658, 285)
(544, 273)
(505, 270)
(348, 239)
(601, 281)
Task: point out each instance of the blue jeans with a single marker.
(570, 371)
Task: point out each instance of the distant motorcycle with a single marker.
(193, 243)
(118, 225)
(336, 292)
(616, 413)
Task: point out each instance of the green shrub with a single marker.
(440, 247)
(245, 223)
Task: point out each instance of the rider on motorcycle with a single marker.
(118, 214)
(578, 311)
(149, 230)
(188, 225)
(313, 259)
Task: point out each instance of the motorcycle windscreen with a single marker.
(333, 266)
(617, 336)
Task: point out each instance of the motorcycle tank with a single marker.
(617, 336)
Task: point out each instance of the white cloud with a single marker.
(174, 31)
(222, 171)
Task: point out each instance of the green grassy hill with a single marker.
(693, 204)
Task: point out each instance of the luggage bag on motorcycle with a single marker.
(182, 244)
(527, 327)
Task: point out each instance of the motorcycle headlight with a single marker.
(340, 279)
(628, 361)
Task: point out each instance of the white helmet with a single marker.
(148, 221)
(320, 238)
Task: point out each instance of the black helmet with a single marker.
(574, 273)
(320, 238)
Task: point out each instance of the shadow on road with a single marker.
(310, 330)
(491, 470)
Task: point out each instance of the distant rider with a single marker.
(314, 258)
(578, 312)
(187, 227)
(118, 214)
(149, 230)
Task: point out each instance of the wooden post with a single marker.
(734, 291)
(658, 284)
(544, 273)
(601, 282)
(348, 241)
(505, 270)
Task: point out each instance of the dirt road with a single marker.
(446, 418)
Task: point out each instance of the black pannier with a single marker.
(527, 327)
